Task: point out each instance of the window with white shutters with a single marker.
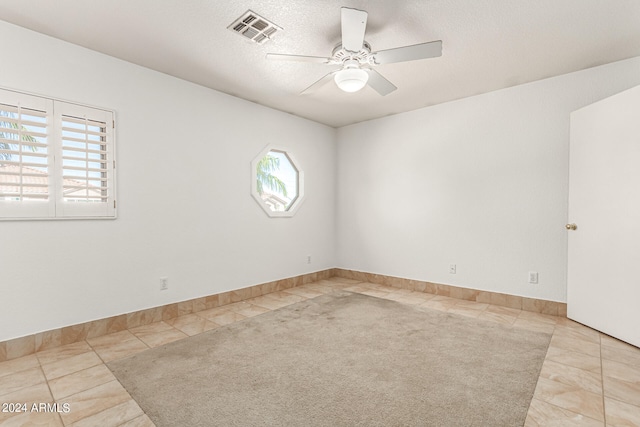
(57, 159)
(86, 161)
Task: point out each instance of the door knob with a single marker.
(571, 226)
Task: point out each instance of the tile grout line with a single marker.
(97, 354)
(541, 366)
(46, 380)
(602, 377)
(116, 379)
(604, 408)
(565, 409)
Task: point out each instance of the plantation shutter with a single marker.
(57, 159)
(86, 187)
(26, 161)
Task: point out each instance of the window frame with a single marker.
(55, 207)
(296, 202)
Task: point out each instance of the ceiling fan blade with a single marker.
(298, 58)
(409, 53)
(318, 84)
(354, 24)
(379, 83)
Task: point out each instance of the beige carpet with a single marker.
(341, 359)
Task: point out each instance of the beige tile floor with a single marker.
(587, 379)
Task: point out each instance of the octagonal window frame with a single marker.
(296, 202)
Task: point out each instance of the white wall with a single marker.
(481, 182)
(184, 204)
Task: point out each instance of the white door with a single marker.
(603, 289)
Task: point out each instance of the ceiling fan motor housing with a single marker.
(340, 55)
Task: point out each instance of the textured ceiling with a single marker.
(487, 45)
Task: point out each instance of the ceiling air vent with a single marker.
(254, 27)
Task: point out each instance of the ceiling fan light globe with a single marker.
(351, 79)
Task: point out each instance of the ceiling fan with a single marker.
(356, 59)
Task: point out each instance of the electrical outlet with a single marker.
(164, 283)
(533, 277)
(452, 269)
(308, 259)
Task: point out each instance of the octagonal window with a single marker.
(277, 183)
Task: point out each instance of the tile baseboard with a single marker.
(46, 340)
(30, 344)
(511, 301)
